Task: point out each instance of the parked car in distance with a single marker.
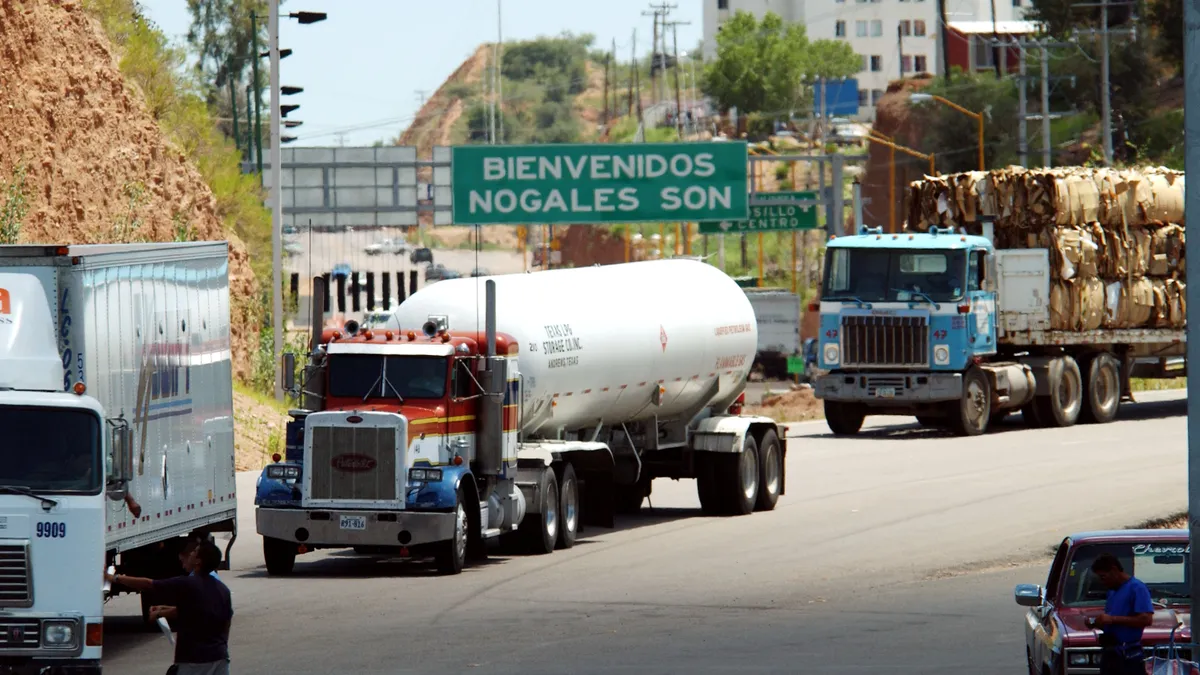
(480, 272)
(421, 255)
(341, 270)
(440, 272)
(393, 246)
(1057, 637)
(290, 229)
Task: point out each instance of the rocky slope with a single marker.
(96, 167)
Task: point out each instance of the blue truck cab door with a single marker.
(981, 319)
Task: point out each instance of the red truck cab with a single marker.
(1057, 638)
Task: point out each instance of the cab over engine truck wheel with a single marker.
(1101, 389)
(539, 531)
(568, 505)
(279, 555)
(770, 472)
(452, 554)
(969, 416)
(844, 419)
(1061, 408)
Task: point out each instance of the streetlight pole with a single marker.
(257, 125)
(276, 201)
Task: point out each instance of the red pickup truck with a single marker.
(1057, 638)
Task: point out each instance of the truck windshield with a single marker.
(50, 450)
(890, 275)
(1163, 567)
(358, 375)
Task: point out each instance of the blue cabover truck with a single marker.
(944, 326)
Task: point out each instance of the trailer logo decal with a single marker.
(353, 463)
(5, 306)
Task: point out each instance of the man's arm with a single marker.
(136, 584)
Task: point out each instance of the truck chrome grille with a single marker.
(353, 463)
(16, 589)
(20, 634)
(897, 341)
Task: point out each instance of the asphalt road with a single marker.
(892, 552)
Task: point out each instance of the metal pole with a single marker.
(1022, 121)
(499, 72)
(900, 49)
(721, 251)
(1191, 126)
(858, 204)
(982, 159)
(1045, 107)
(276, 201)
(251, 151)
(1105, 91)
(892, 189)
(254, 72)
(839, 204)
(237, 140)
(762, 270)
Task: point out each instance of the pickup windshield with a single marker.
(50, 450)
(890, 275)
(362, 376)
(1163, 567)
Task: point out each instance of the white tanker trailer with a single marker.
(523, 404)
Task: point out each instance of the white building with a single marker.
(893, 36)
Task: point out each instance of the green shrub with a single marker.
(12, 212)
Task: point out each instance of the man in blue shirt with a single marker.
(1127, 612)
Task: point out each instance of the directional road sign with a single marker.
(599, 183)
(794, 211)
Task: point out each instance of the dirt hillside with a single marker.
(97, 169)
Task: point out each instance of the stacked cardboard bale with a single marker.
(1115, 236)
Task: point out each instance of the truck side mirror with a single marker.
(119, 461)
(289, 371)
(1028, 595)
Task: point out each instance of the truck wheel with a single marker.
(452, 554)
(741, 478)
(539, 531)
(279, 555)
(844, 419)
(969, 416)
(770, 472)
(1061, 407)
(568, 488)
(1101, 390)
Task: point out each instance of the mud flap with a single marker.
(596, 499)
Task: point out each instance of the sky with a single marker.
(362, 68)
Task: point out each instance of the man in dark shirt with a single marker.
(200, 605)
(1127, 612)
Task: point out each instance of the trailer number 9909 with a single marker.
(46, 530)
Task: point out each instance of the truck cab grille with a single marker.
(353, 463)
(889, 341)
(15, 587)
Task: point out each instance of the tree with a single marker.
(767, 66)
(1166, 17)
(951, 135)
(222, 38)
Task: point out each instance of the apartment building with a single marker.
(895, 37)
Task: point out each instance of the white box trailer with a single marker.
(777, 315)
(138, 335)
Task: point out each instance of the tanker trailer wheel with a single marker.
(279, 555)
(539, 531)
(1061, 408)
(568, 490)
(844, 419)
(1101, 389)
(741, 478)
(452, 554)
(770, 472)
(969, 416)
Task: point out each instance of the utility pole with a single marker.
(421, 98)
(942, 34)
(237, 140)
(900, 49)
(1105, 70)
(1045, 106)
(276, 199)
(637, 81)
(257, 126)
(653, 49)
(607, 117)
(632, 70)
(500, 70)
(1023, 110)
(675, 50)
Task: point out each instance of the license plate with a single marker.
(353, 522)
(886, 392)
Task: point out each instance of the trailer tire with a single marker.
(1061, 408)
(742, 478)
(770, 472)
(844, 419)
(568, 491)
(452, 554)
(280, 556)
(539, 531)
(970, 415)
(1101, 389)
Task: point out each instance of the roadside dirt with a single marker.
(258, 431)
(798, 405)
(97, 169)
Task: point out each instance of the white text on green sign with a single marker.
(645, 182)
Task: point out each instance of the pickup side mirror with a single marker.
(1028, 595)
(289, 371)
